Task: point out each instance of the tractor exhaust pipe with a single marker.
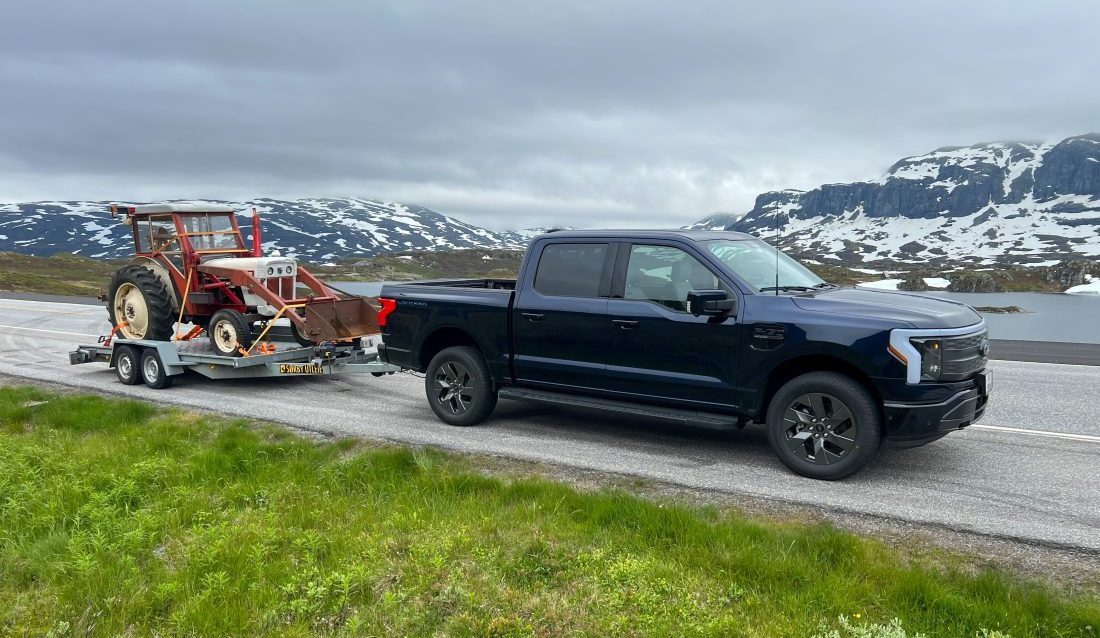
(257, 245)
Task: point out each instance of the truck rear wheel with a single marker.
(459, 388)
(824, 425)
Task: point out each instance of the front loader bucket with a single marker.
(340, 320)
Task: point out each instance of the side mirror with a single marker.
(713, 303)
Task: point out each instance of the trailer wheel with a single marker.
(824, 425)
(459, 388)
(127, 365)
(152, 370)
(229, 330)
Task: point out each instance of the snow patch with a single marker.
(881, 284)
(1091, 288)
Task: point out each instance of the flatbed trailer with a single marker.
(157, 363)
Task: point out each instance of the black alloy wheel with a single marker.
(824, 425)
(818, 427)
(458, 386)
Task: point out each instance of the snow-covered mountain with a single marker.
(715, 221)
(1004, 202)
(318, 230)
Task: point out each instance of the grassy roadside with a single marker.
(56, 275)
(117, 518)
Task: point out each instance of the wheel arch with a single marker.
(162, 274)
(798, 366)
(444, 337)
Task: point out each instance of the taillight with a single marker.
(388, 306)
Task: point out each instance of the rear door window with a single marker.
(571, 270)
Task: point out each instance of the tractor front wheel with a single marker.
(230, 332)
(140, 303)
(301, 338)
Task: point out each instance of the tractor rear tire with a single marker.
(230, 332)
(139, 298)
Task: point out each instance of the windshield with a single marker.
(755, 262)
(212, 233)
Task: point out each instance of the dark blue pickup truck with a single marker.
(699, 326)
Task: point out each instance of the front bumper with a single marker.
(909, 424)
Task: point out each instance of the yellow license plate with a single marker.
(300, 368)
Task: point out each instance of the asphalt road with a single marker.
(1028, 471)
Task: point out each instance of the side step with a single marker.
(695, 417)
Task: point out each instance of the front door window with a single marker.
(665, 275)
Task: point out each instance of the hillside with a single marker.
(317, 230)
(998, 203)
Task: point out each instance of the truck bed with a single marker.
(481, 306)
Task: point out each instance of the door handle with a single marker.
(533, 316)
(625, 324)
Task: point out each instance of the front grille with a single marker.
(962, 355)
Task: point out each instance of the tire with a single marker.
(128, 365)
(139, 298)
(152, 370)
(302, 340)
(824, 425)
(229, 330)
(459, 388)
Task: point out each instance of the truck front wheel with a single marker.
(824, 425)
(459, 388)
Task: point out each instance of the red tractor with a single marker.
(191, 266)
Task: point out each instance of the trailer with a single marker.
(157, 363)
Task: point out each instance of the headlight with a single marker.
(931, 358)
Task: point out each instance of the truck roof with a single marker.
(641, 233)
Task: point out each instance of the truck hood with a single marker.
(918, 310)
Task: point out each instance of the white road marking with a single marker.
(55, 312)
(33, 303)
(1057, 435)
(56, 332)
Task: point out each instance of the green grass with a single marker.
(59, 274)
(117, 518)
(472, 263)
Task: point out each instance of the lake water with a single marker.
(1046, 317)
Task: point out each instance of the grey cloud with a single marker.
(522, 113)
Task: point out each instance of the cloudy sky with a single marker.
(513, 113)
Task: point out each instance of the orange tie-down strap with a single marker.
(195, 331)
(106, 341)
(263, 347)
